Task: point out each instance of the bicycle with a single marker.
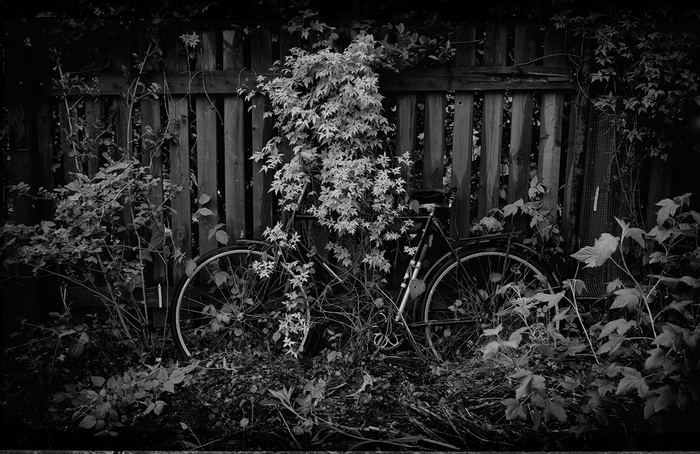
(237, 296)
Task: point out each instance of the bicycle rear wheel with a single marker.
(234, 299)
(471, 294)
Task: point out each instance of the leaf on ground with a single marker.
(514, 409)
(556, 410)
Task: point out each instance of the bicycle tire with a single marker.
(225, 305)
(454, 317)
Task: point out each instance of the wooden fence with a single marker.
(506, 109)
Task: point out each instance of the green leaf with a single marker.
(204, 212)
(416, 288)
(222, 237)
(670, 337)
(88, 422)
(158, 409)
(97, 381)
(551, 300)
(220, 278)
(177, 376)
(620, 325)
(556, 410)
(575, 285)
(632, 381)
(190, 267)
(626, 297)
(668, 209)
(637, 235)
(204, 199)
(493, 331)
(599, 253)
(613, 285)
(514, 409)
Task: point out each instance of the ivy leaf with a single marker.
(97, 381)
(599, 253)
(632, 381)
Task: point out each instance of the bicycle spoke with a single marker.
(462, 300)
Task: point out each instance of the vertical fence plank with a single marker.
(178, 123)
(44, 146)
(68, 120)
(234, 146)
(151, 156)
(433, 167)
(94, 112)
(406, 127)
(261, 58)
(521, 122)
(551, 113)
(206, 148)
(575, 162)
(178, 111)
(462, 142)
(492, 127)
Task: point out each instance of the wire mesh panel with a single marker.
(599, 198)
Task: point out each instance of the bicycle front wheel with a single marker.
(237, 298)
(478, 291)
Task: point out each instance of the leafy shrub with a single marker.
(647, 344)
(89, 244)
(122, 397)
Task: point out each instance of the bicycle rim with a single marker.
(457, 308)
(228, 304)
